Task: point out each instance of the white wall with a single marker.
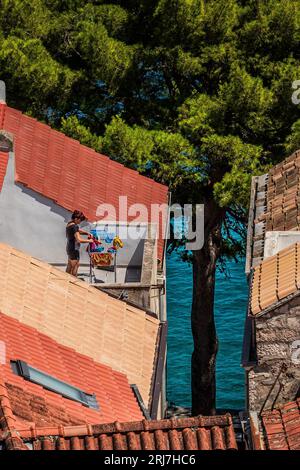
(31, 222)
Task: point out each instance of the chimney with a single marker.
(2, 92)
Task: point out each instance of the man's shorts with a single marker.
(74, 255)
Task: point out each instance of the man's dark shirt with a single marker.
(72, 244)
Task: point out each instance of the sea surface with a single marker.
(230, 307)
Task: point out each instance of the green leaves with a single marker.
(167, 157)
(25, 18)
(273, 30)
(231, 165)
(245, 104)
(106, 58)
(33, 74)
(128, 145)
(293, 140)
(198, 117)
(72, 127)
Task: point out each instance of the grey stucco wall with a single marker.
(31, 222)
(276, 334)
(34, 224)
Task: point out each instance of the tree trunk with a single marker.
(203, 323)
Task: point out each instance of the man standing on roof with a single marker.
(74, 239)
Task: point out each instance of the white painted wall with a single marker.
(30, 222)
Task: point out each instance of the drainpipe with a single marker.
(163, 312)
(163, 317)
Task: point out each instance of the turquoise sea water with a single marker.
(230, 308)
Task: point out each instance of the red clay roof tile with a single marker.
(282, 427)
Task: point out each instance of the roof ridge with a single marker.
(224, 421)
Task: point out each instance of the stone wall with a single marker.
(276, 333)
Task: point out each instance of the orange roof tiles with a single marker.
(71, 174)
(32, 404)
(274, 279)
(80, 316)
(201, 433)
(282, 427)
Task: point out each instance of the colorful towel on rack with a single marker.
(101, 259)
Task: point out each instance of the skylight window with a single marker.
(48, 382)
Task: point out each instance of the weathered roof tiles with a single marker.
(199, 433)
(282, 427)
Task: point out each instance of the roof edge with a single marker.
(5, 106)
(256, 438)
(253, 193)
(146, 310)
(158, 370)
(34, 432)
(277, 304)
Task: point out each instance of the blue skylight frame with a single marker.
(53, 384)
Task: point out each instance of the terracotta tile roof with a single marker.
(32, 405)
(50, 163)
(275, 279)
(282, 427)
(201, 433)
(80, 316)
(8, 434)
(275, 207)
(3, 165)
